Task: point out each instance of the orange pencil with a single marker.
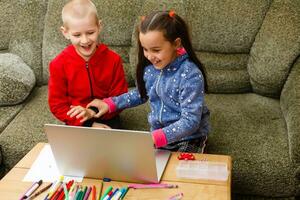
(93, 192)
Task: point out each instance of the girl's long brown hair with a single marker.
(173, 27)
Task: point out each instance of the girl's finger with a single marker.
(100, 113)
(105, 126)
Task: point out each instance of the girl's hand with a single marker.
(81, 112)
(99, 125)
(101, 105)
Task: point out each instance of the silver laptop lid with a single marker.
(122, 155)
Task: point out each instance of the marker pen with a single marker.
(29, 192)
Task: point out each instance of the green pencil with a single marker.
(106, 192)
(83, 193)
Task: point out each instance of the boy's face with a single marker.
(83, 34)
(159, 51)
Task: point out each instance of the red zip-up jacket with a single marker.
(74, 81)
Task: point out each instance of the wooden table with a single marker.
(12, 187)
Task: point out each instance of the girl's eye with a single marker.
(90, 33)
(156, 50)
(77, 35)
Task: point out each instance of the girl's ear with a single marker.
(177, 43)
(64, 32)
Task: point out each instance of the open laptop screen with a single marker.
(122, 155)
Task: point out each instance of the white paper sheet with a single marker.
(44, 167)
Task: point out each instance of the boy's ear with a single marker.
(100, 25)
(177, 43)
(64, 32)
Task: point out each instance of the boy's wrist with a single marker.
(94, 109)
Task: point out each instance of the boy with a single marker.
(84, 70)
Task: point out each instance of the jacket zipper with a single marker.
(91, 86)
(162, 104)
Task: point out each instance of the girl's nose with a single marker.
(150, 57)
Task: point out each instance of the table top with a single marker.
(12, 186)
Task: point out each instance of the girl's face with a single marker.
(159, 51)
(83, 34)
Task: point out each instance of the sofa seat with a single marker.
(251, 128)
(26, 129)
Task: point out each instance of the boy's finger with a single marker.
(70, 111)
(83, 119)
(81, 114)
(76, 112)
(73, 109)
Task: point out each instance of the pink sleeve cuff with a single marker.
(159, 138)
(111, 105)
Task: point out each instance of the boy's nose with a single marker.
(84, 39)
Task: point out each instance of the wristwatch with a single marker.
(93, 108)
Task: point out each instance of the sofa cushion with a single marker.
(27, 33)
(275, 49)
(220, 44)
(5, 21)
(16, 79)
(251, 128)
(27, 128)
(7, 113)
(136, 118)
(225, 27)
(226, 73)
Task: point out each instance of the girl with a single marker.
(172, 78)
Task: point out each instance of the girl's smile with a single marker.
(159, 51)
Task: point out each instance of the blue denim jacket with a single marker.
(176, 95)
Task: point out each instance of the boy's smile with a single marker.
(83, 34)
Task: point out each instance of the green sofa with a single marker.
(250, 50)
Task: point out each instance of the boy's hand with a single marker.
(81, 112)
(101, 105)
(99, 125)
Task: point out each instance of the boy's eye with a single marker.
(76, 35)
(91, 33)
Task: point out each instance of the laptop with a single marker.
(121, 155)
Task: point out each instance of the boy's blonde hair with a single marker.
(78, 9)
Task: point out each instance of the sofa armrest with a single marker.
(290, 105)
